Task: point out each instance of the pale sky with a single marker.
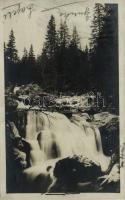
(32, 30)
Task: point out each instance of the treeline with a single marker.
(63, 65)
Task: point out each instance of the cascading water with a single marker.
(53, 135)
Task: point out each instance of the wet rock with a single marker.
(72, 170)
(108, 125)
(103, 118)
(11, 104)
(110, 137)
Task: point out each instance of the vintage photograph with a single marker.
(61, 69)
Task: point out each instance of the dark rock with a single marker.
(110, 137)
(108, 125)
(11, 104)
(70, 171)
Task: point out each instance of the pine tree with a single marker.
(86, 49)
(42, 64)
(104, 55)
(31, 66)
(51, 38)
(49, 56)
(63, 35)
(24, 68)
(95, 39)
(11, 60)
(31, 56)
(11, 51)
(25, 55)
(62, 54)
(109, 44)
(75, 40)
(97, 24)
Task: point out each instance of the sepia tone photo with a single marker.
(61, 69)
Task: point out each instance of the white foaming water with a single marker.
(53, 136)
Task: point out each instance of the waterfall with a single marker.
(53, 135)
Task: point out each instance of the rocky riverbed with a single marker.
(61, 135)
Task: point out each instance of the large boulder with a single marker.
(72, 170)
(108, 125)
